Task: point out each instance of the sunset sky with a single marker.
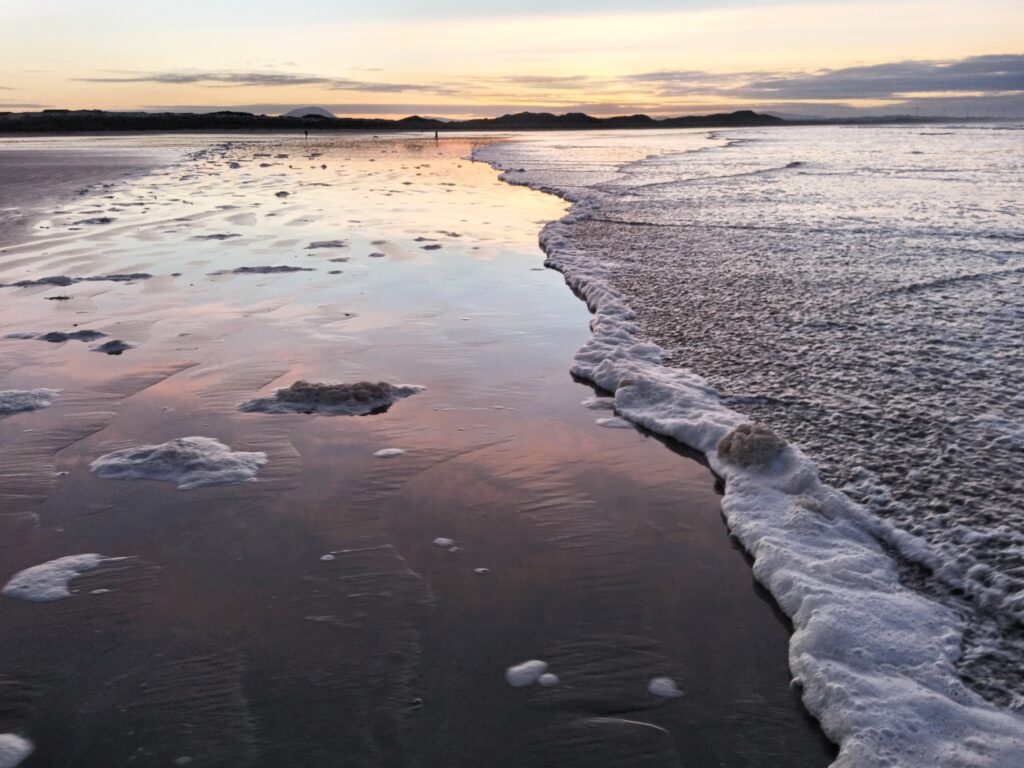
(456, 58)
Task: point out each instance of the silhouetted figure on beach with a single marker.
(306, 131)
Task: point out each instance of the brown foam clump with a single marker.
(356, 399)
(751, 445)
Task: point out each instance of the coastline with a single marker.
(603, 548)
(824, 558)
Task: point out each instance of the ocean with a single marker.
(859, 291)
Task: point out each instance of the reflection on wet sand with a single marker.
(309, 617)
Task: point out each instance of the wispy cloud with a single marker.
(977, 74)
(548, 81)
(228, 79)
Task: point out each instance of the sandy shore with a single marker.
(310, 617)
(39, 174)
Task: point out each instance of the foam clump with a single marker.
(327, 244)
(751, 445)
(358, 399)
(55, 337)
(443, 541)
(527, 673)
(58, 337)
(389, 453)
(62, 281)
(14, 749)
(270, 270)
(549, 680)
(665, 687)
(190, 462)
(113, 347)
(50, 581)
(24, 400)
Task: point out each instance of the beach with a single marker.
(360, 588)
(42, 172)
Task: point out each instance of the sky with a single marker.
(454, 58)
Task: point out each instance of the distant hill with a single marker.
(310, 112)
(72, 121)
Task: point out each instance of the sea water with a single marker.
(859, 290)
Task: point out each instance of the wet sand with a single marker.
(309, 618)
(39, 174)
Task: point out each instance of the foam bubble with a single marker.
(389, 453)
(190, 462)
(50, 581)
(526, 673)
(548, 680)
(614, 422)
(665, 687)
(443, 541)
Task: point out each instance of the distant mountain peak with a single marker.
(310, 112)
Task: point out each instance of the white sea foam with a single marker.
(876, 660)
(526, 673)
(23, 400)
(389, 453)
(190, 462)
(443, 541)
(50, 581)
(665, 687)
(613, 422)
(14, 749)
(548, 680)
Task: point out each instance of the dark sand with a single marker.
(227, 640)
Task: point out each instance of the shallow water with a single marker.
(857, 289)
(309, 617)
